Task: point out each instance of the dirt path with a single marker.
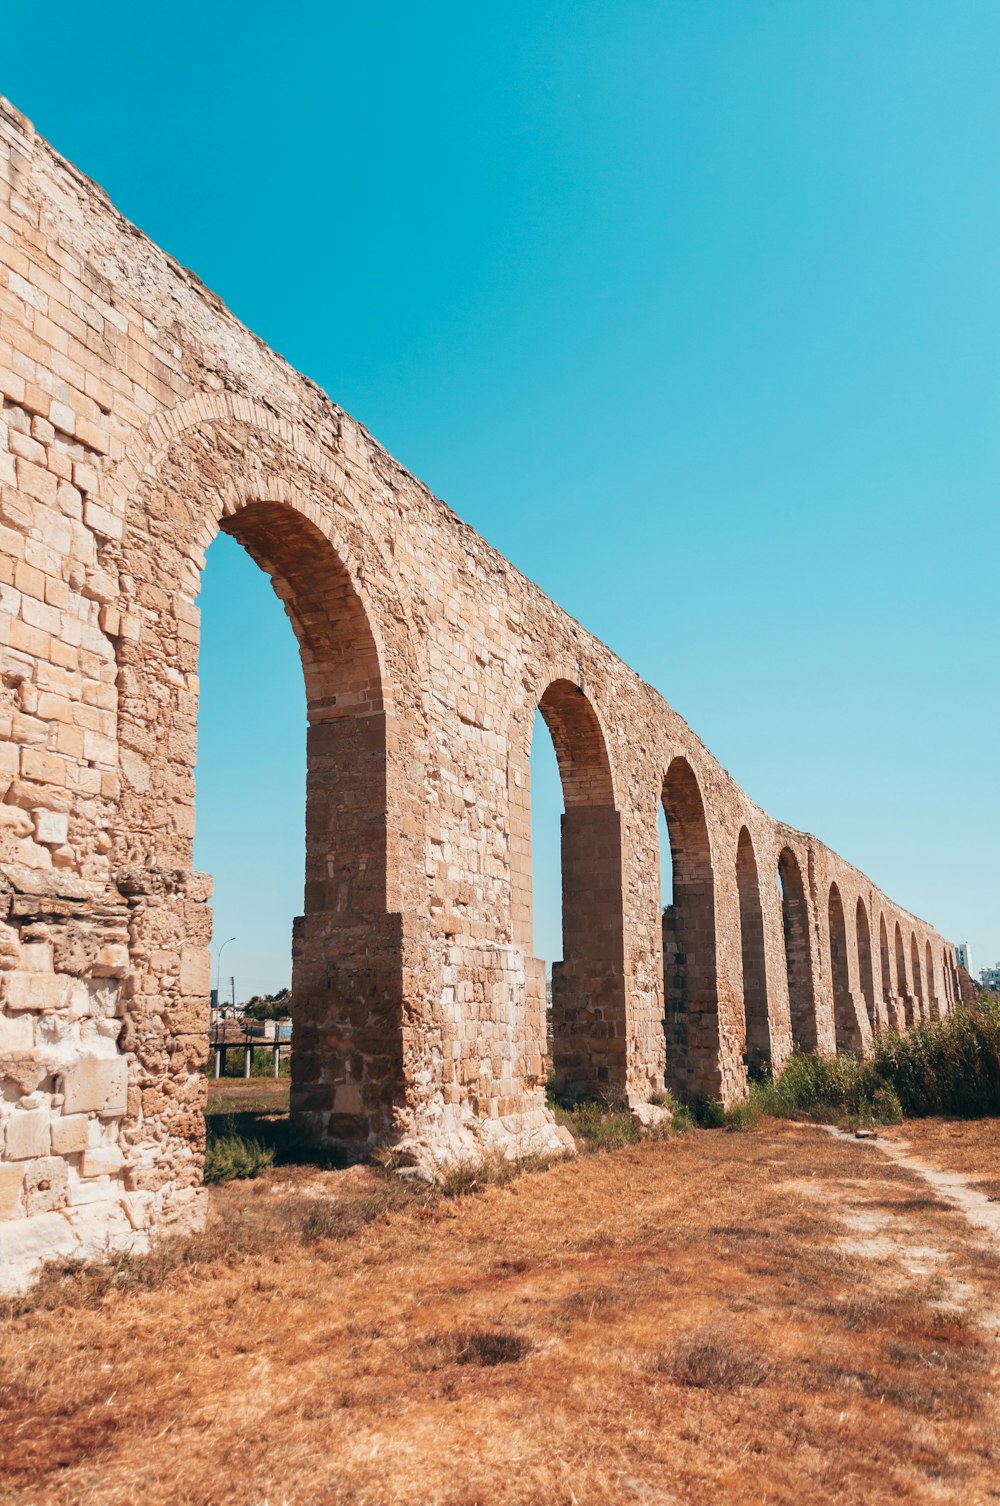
(980, 1210)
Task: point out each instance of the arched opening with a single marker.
(690, 991)
(346, 982)
(845, 1023)
(918, 985)
(588, 1025)
(346, 975)
(543, 920)
(901, 978)
(865, 962)
(757, 1052)
(798, 952)
(933, 1008)
(949, 996)
(886, 967)
(251, 727)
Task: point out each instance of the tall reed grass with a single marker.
(951, 1067)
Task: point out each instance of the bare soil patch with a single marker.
(717, 1317)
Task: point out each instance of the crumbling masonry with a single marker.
(140, 418)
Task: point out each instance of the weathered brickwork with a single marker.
(139, 419)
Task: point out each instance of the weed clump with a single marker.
(594, 1126)
(230, 1154)
(712, 1359)
(481, 1347)
(474, 1173)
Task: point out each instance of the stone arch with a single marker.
(949, 995)
(848, 1036)
(865, 969)
(902, 983)
(589, 1038)
(919, 1002)
(798, 952)
(932, 1002)
(690, 982)
(757, 1052)
(885, 965)
(349, 1083)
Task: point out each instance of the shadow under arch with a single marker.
(866, 971)
(933, 1005)
(347, 1059)
(690, 978)
(902, 984)
(846, 1032)
(885, 971)
(798, 952)
(589, 1032)
(757, 1052)
(919, 1001)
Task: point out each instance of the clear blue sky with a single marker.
(691, 308)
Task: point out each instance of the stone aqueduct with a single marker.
(139, 419)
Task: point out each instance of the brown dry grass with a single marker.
(693, 1321)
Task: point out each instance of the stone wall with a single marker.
(139, 420)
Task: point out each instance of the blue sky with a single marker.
(690, 308)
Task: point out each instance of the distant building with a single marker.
(989, 977)
(963, 956)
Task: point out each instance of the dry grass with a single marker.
(241, 1095)
(694, 1321)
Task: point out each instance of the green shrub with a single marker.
(230, 1155)
(816, 1086)
(598, 1127)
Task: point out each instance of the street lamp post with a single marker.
(218, 963)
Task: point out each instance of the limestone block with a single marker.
(51, 827)
(36, 957)
(139, 1208)
(81, 1000)
(46, 1185)
(91, 1190)
(29, 796)
(111, 961)
(69, 1134)
(58, 1036)
(23, 1071)
(93, 1033)
(196, 970)
(16, 1032)
(25, 1241)
(104, 1161)
(14, 820)
(27, 1135)
(105, 997)
(102, 1225)
(39, 991)
(10, 948)
(32, 855)
(11, 1183)
(96, 1084)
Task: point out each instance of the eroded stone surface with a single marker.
(139, 419)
